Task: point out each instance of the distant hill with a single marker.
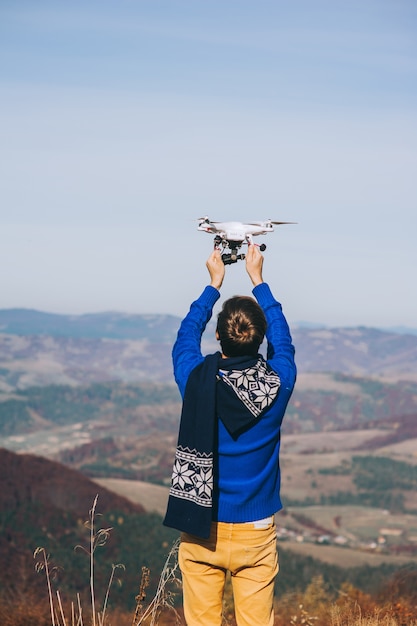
(359, 351)
(336, 401)
(28, 479)
(110, 325)
(40, 349)
(45, 504)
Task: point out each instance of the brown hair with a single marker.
(241, 326)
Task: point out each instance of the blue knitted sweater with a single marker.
(248, 481)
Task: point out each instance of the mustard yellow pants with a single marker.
(249, 552)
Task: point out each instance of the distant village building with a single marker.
(340, 540)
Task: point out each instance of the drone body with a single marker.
(232, 235)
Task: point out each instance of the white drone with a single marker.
(232, 235)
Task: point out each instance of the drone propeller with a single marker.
(266, 222)
(206, 220)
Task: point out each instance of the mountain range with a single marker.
(40, 348)
(93, 397)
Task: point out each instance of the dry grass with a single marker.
(316, 606)
(310, 609)
(74, 613)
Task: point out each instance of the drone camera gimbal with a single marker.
(228, 259)
(232, 257)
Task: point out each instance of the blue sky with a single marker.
(122, 122)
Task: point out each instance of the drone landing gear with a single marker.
(229, 257)
(233, 256)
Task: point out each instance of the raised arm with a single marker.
(254, 264)
(216, 268)
(280, 351)
(186, 353)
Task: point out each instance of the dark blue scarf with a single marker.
(238, 390)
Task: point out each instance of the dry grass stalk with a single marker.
(163, 598)
(97, 538)
(141, 597)
(43, 565)
(106, 598)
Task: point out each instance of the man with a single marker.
(226, 476)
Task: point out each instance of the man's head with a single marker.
(241, 326)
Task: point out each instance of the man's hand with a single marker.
(254, 263)
(216, 268)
